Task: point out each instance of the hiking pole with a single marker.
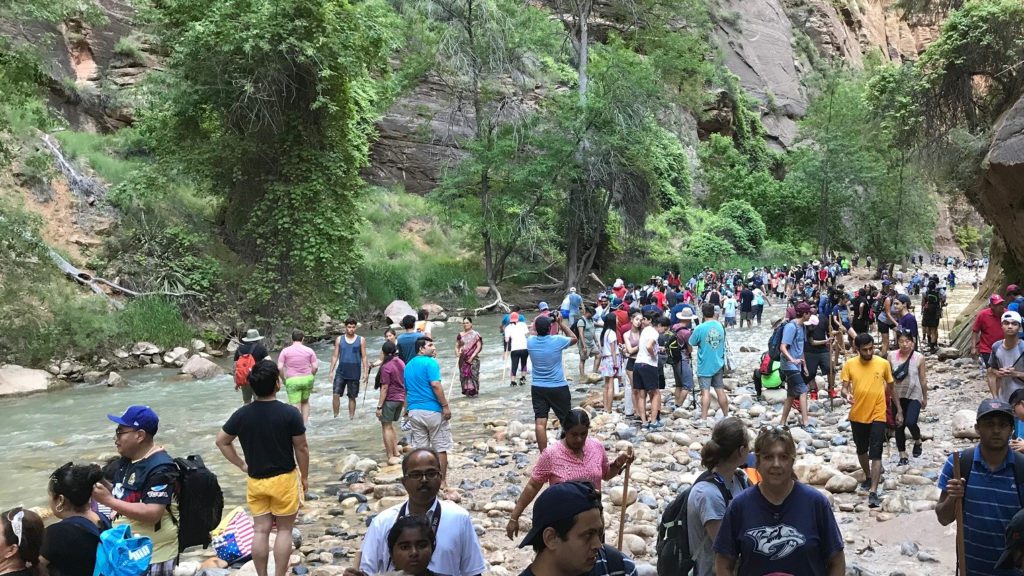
(452, 384)
(961, 562)
(625, 499)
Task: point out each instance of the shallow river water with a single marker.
(44, 431)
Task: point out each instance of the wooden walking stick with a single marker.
(452, 384)
(961, 561)
(625, 499)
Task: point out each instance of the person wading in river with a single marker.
(298, 366)
(549, 390)
(273, 438)
(353, 366)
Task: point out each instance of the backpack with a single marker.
(200, 503)
(931, 301)
(121, 554)
(775, 342)
(766, 364)
(673, 545)
(672, 349)
(243, 366)
(967, 457)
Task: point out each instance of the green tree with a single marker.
(269, 107)
(749, 222)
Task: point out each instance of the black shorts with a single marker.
(868, 438)
(884, 328)
(929, 321)
(547, 399)
(645, 377)
(343, 386)
(817, 362)
(630, 362)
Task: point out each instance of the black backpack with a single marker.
(673, 544)
(200, 503)
(775, 342)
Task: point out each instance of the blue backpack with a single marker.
(121, 554)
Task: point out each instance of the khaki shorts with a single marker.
(278, 495)
(430, 430)
(391, 411)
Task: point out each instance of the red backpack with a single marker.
(243, 366)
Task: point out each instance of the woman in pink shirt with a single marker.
(576, 457)
(297, 364)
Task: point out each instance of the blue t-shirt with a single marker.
(709, 337)
(546, 355)
(419, 373)
(909, 322)
(406, 343)
(793, 336)
(843, 312)
(575, 301)
(1018, 428)
(990, 501)
(797, 537)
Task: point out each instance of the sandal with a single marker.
(903, 462)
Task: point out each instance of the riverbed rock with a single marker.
(948, 354)
(841, 484)
(145, 348)
(200, 368)
(963, 425)
(176, 355)
(615, 494)
(198, 345)
(634, 544)
(16, 381)
(397, 310)
(433, 310)
(115, 379)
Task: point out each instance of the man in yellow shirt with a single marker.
(867, 384)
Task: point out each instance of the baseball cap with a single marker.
(513, 317)
(602, 296)
(994, 406)
(813, 320)
(139, 418)
(542, 306)
(803, 308)
(904, 299)
(543, 325)
(1010, 316)
(1014, 540)
(995, 300)
(1012, 289)
(560, 502)
(1017, 397)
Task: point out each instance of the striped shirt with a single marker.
(990, 502)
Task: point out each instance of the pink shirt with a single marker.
(297, 360)
(559, 464)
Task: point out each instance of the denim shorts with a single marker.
(795, 385)
(708, 382)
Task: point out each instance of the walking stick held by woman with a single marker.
(961, 561)
(625, 499)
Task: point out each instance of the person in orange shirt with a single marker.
(867, 386)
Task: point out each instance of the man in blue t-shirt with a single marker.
(549, 389)
(406, 341)
(709, 338)
(427, 406)
(794, 365)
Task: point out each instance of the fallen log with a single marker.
(86, 279)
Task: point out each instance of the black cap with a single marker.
(1014, 540)
(560, 502)
(994, 406)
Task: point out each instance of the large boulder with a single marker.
(201, 369)
(963, 425)
(16, 381)
(1000, 201)
(398, 310)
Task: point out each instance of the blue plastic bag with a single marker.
(121, 554)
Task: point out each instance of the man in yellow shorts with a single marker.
(273, 438)
(298, 364)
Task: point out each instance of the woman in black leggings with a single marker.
(912, 391)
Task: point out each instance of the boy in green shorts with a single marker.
(298, 365)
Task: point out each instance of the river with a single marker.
(44, 431)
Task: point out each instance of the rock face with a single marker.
(17, 381)
(1000, 200)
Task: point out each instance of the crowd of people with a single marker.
(747, 514)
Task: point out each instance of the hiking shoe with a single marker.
(873, 500)
(810, 429)
(903, 462)
(865, 485)
(917, 450)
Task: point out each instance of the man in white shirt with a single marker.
(457, 551)
(646, 375)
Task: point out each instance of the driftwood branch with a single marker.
(598, 280)
(86, 279)
(498, 303)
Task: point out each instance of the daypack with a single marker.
(121, 554)
(967, 462)
(672, 349)
(200, 503)
(775, 342)
(243, 366)
(766, 364)
(931, 302)
(673, 545)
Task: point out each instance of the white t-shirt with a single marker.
(647, 336)
(458, 549)
(729, 306)
(517, 333)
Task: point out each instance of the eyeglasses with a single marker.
(119, 433)
(419, 475)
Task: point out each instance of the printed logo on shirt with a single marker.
(158, 492)
(776, 542)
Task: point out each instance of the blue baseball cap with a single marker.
(139, 418)
(542, 306)
(560, 502)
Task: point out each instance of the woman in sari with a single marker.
(467, 347)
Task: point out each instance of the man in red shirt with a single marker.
(987, 328)
(659, 298)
